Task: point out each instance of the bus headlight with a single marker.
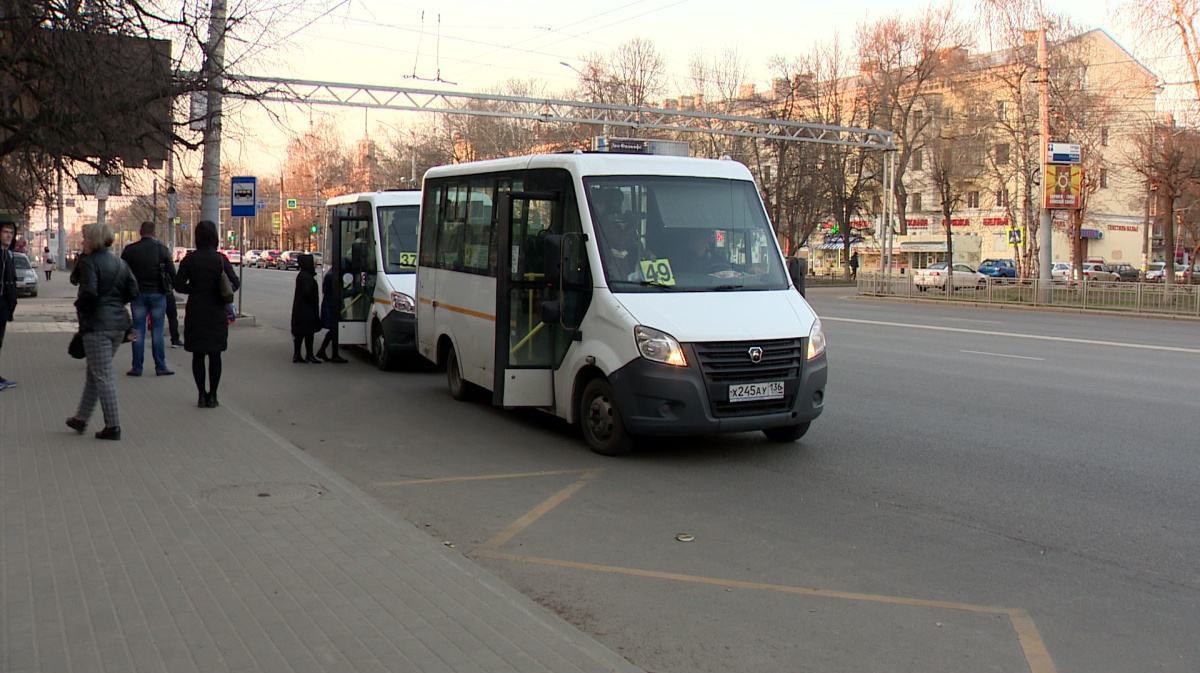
(403, 303)
(816, 340)
(659, 346)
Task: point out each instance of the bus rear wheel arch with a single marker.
(460, 389)
(600, 418)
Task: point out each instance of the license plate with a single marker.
(749, 392)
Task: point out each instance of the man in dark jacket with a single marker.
(151, 263)
(8, 286)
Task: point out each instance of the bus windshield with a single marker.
(683, 234)
(398, 236)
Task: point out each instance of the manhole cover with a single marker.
(263, 495)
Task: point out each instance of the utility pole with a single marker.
(172, 201)
(210, 186)
(1045, 223)
(62, 239)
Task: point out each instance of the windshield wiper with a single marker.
(726, 288)
(645, 283)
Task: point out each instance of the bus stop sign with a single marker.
(243, 195)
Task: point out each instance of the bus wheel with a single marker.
(379, 350)
(601, 420)
(787, 433)
(459, 388)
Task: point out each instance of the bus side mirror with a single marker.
(553, 260)
(797, 268)
(551, 312)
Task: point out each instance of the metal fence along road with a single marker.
(1128, 297)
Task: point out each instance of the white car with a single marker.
(935, 276)
(1101, 272)
(234, 256)
(251, 257)
(1060, 272)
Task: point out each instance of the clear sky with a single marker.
(472, 45)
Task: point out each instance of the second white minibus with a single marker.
(635, 295)
(372, 252)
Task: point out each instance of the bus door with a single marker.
(352, 257)
(526, 345)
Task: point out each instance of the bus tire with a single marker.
(787, 433)
(603, 428)
(460, 389)
(380, 352)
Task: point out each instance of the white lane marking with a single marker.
(1002, 355)
(1036, 337)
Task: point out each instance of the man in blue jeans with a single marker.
(151, 263)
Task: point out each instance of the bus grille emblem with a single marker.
(755, 354)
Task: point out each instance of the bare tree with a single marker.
(714, 80)
(405, 154)
(957, 149)
(1168, 158)
(62, 115)
(848, 174)
(904, 63)
(1171, 26)
(1012, 78)
(318, 166)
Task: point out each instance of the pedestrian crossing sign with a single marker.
(1014, 237)
(291, 204)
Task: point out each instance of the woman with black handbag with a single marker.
(106, 286)
(206, 324)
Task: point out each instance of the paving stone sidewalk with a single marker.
(202, 541)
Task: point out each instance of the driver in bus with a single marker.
(695, 254)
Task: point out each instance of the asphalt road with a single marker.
(987, 490)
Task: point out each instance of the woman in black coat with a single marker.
(206, 325)
(306, 310)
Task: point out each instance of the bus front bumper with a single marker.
(658, 399)
(400, 331)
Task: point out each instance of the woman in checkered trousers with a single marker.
(106, 286)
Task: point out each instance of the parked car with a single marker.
(1060, 272)
(1126, 272)
(267, 259)
(289, 260)
(26, 275)
(251, 257)
(935, 276)
(1184, 273)
(998, 268)
(1154, 272)
(1094, 271)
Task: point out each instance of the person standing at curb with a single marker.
(206, 324)
(47, 262)
(151, 264)
(8, 286)
(306, 311)
(106, 285)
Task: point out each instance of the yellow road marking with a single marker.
(484, 477)
(536, 513)
(1034, 648)
(1036, 654)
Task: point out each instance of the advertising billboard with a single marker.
(1063, 186)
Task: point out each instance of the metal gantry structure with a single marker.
(551, 110)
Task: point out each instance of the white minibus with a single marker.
(371, 249)
(635, 295)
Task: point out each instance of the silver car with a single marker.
(26, 275)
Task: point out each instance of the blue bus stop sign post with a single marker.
(243, 201)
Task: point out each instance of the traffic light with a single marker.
(314, 229)
(231, 237)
